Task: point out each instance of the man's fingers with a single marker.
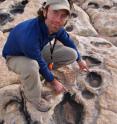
(86, 69)
(62, 90)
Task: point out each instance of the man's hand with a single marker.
(83, 65)
(58, 87)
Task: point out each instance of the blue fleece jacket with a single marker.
(28, 39)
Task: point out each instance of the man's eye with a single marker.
(55, 11)
(65, 16)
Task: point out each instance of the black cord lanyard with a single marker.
(52, 48)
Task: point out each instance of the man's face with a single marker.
(55, 19)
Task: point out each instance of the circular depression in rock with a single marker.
(4, 18)
(74, 15)
(87, 94)
(94, 79)
(101, 44)
(106, 7)
(18, 7)
(68, 111)
(69, 28)
(93, 5)
(91, 60)
(2, 0)
(24, 2)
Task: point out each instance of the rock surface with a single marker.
(92, 96)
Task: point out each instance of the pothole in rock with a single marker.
(18, 7)
(101, 44)
(21, 102)
(69, 28)
(106, 7)
(74, 15)
(24, 2)
(87, 94)
(69, 111)
(2, 0)
(93, 5)
(94, 79)
(4, 18)
(91, 60)
(114, 35)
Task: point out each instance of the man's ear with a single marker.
(45, 13)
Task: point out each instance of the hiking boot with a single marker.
(42, 105)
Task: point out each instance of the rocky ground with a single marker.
(92, 96)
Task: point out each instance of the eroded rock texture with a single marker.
(91, 96)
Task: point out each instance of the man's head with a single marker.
(56, 14)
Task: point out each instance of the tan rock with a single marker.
(79, 23)
(1, 39)
(92, 95)
(103, 16)
(107, 117)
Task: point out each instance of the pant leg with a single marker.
(62, 55)
(28, 70)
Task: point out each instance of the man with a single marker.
(27, 53)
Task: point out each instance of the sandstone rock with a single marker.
(103, 16)
(1, 40)
(79, 23)
(113, 40)
(97, 4)
(91, 96)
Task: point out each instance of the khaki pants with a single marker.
(28, 69)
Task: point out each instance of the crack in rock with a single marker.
(22, 108)
(4, 18)
(74, 113)
(18, 7)
(91, 60)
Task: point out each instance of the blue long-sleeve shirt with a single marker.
(28, 39)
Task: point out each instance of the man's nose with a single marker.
(58, 18)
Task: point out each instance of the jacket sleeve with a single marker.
(33, 51)
(64, 37)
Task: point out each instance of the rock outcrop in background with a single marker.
(92, 96)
